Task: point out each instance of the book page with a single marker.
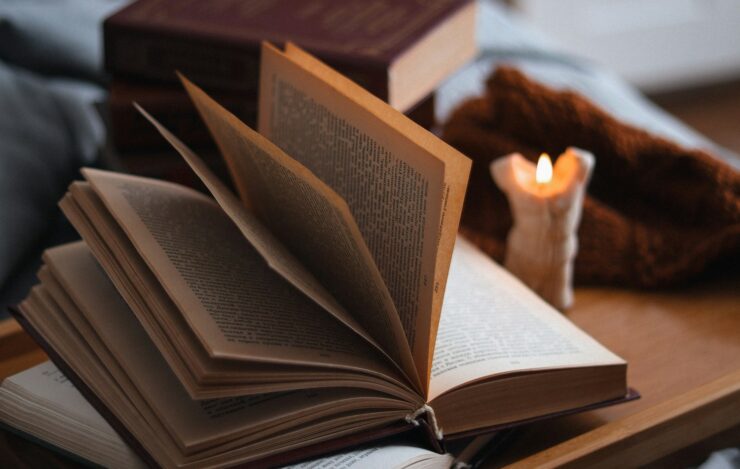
(85, 298)
(271, 249)
(202, 376)
(404, 186)
(48, 386)
(42, 402)
(388, 456)
(118, 394)
(492, 323)
(237, 306)
(312, 221)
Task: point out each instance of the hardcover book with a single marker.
(399, 50)
(305, 315)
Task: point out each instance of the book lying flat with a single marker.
(307, 314)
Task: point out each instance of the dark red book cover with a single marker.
(130, 131)
(216, 42)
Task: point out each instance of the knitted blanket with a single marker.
(656, 214)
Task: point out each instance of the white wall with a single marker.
(655, 44)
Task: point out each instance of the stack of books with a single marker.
(398, 50)
(329, 304)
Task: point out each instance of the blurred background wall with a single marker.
(685, 54)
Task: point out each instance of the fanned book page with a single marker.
(216, 277)
(77, 310)
(404, 186)
(313, 222)
(272, 250)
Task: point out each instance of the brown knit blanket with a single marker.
(656, 214)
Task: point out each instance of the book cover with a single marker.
(216, 43)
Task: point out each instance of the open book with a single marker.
(307, 314)
(41, 404)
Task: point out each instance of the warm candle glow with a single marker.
(546, 202)
(544, 169)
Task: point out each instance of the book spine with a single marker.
(152, 55)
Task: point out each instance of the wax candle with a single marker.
(546, 206)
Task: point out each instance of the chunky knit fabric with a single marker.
(656, 214)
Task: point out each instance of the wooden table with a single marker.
(683, 350)
(17, 350)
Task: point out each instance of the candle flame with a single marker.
(543, 175)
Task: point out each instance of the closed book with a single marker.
(398, 50)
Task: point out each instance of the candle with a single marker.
(546, 206)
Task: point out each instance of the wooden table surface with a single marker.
(683, 350)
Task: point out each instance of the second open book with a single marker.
(310, 307)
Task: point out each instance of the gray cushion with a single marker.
(50, 70)
(48, 129)
(55, 37)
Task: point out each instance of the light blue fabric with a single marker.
(505, 39)
(55, 37)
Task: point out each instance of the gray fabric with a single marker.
(726, 459)
(54, 37)
(48, 129)
(505, 39)
(50, 60)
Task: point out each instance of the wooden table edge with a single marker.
(652, 433)
(9, 327)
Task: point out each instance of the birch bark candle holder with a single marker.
(546, 205)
